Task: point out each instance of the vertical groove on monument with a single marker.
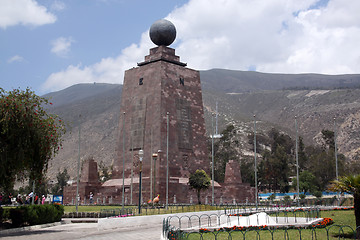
(159, 85)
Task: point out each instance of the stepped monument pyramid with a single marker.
(162, 134)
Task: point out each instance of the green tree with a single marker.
(274, 170)
(307, 182)
(328, 137)
(321, 160)
(303, 159)
(280, 139)
(199, 181)
(224, 150)
(62, 179)
(350, 184)
(322, 165)
(105, 172)
(29, 136)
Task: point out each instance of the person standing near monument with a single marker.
(91, 196)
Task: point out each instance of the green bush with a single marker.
(18, 216)
(36, 214)
(1, 214)
(272, 197)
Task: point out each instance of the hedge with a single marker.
(35, 214)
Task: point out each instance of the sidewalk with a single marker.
(135, 227)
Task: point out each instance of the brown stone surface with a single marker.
(161, 85)
(232, 173)
(161, 88)
(89, 172)
(88, 182)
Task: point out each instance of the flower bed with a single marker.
(323, 223)
(123, 215)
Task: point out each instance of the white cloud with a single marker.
(61, 46)
(58, 6)
(288, 36)
(15, 58)
(24, 12)
(108, 70)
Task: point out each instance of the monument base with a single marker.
(111, 193)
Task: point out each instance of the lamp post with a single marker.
(212, 159)
(123, 165)
(78, 170)
(297, 164)
(167, 160)
(132, 164)
(153, 174)
(141, 154)
(156, 156)
(255, 165)
(151, 165)
(336, 159)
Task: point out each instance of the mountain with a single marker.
(249, 81)
(275, 99)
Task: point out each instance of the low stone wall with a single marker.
(82, 215)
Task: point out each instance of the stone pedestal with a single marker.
(162, 101)
(89, 182)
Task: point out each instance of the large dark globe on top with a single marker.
(162, 32)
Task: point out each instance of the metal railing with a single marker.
(158, 209)
(211, 226)
(327, 233)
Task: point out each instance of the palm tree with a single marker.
(350, 184)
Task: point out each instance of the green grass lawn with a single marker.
(144, 211)
(90, 208)
(343, 218)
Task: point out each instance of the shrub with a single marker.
(1, 214)
(272, 197)
(18, 216)
(36, 214)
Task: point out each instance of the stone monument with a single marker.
(88, 182)
(162, 114)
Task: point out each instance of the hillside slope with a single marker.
(240, 95)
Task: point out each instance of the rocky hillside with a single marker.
(274, 98)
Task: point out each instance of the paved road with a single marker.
(85, 231)
(143, 227)
(139, 227)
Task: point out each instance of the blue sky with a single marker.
(52, 44)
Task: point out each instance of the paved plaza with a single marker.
(86, 231)
(138, 227)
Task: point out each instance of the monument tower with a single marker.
(161, 114)
(162, 123)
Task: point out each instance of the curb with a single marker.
(79, 220)
(28, 228)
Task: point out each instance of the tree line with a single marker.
(276, 166)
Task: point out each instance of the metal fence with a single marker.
(159, 209)
(327, 233)
(116, 212)
(228, 209)
(210, 226)
(279, 215)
